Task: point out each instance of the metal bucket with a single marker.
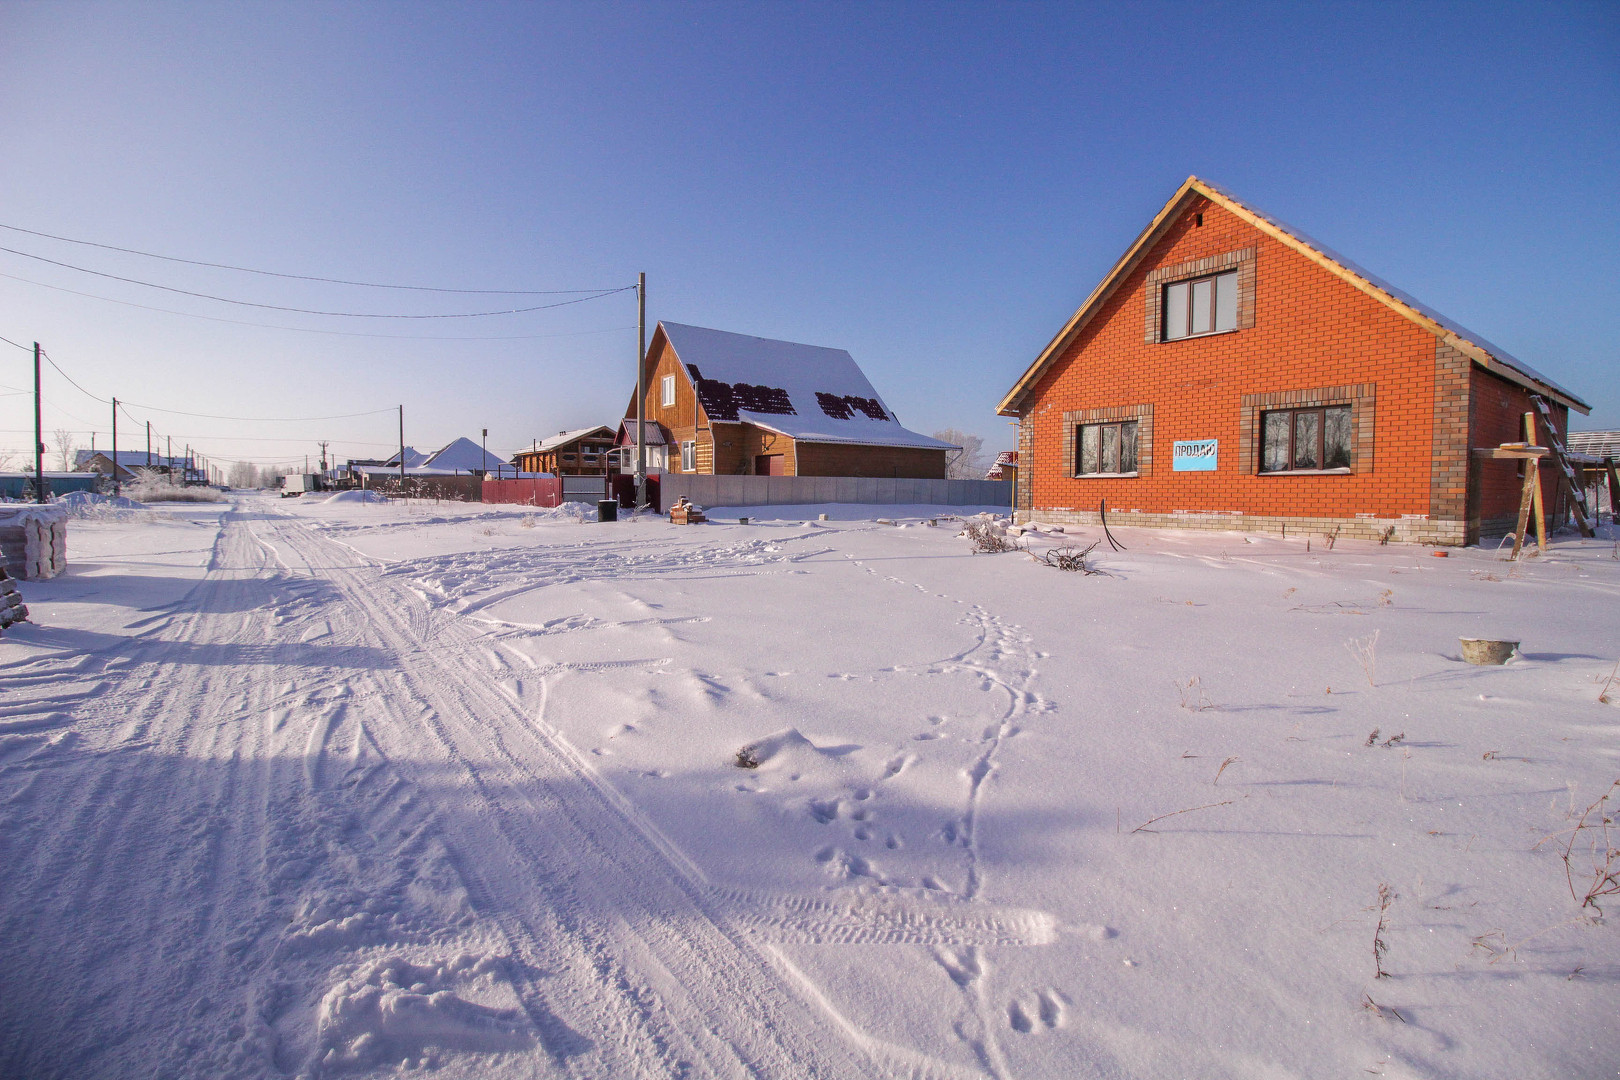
(1487, 650)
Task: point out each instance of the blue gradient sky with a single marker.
(934, 187)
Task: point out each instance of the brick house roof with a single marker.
(1489, 356)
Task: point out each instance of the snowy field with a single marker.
(304, 788)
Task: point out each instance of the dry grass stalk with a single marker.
(1192, 694)
(1603, 694)
(1606, 874)
(1365, 650)
(1372, 739)
(1385, 898)
(1173, 813)
(1383, 1012)
(1220, 770)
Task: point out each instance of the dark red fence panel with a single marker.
(529, 491)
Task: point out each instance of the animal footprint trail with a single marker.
(1042, 1011)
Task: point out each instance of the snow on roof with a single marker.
(129, 459)
(562, 438)
(462, 455)
(808, 392)
(1410, 301)
(413, 458)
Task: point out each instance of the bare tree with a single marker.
(64, 449)
(968, 464)
(243, 475)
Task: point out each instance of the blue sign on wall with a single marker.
(1195, 455)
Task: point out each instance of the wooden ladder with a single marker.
(1566, 475)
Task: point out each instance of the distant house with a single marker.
(1231, 373)
(460, 456)
(101, 461)
(1005, 467)
(728, 403)
(581, 452)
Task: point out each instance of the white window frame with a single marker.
(667, 396)
(1179, 306)
(689, 456)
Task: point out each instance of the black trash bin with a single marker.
(607, 510)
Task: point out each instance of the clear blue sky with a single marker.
(934, 187)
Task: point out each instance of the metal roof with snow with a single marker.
(563, 438)
(1492, 358)
(808, 392)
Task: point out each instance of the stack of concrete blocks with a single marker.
(33, 540)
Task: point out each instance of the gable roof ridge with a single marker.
(1491, 357)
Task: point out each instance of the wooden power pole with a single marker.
(641, 390)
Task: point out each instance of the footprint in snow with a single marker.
(1045, 1013)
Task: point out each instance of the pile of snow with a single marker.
(388, 1010)
(84, 504)
(357, 496)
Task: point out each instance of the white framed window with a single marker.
(689, 456)
(668, 396)
(1206, 305)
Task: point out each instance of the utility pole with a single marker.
(117, 487)
(402, 451)
(39, 436)
(185, 474)
(168, 468)
(323, 457)
(483, 463)
(641, 390)
(149, 444)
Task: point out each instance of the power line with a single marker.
(304, 329)
(299, 277)
(313, 311)
(8, 341)
(69, 378)
(250, 419)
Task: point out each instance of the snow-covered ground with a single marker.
(340, 788)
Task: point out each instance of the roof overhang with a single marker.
(1194, 188)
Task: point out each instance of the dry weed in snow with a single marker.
(1365, 650)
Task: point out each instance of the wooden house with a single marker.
(581, 452)
(731, 404)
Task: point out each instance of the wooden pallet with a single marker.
(1566, 474)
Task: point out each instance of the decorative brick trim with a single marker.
(1024, 486)
(1361, 397)
(1242, 259)
(1448, 469)
(1408, 528)
(1142, 414)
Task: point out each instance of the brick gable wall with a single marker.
(1304, 336)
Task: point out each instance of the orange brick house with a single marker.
(726, 404)
(1232, 373)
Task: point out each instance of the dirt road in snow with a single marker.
(292, 827)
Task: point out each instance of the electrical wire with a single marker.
(8, 341)
(251, 419)
(69, 378)
(297, 277)
(314, 311)
(305, 329)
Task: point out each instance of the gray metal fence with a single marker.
(794, 490)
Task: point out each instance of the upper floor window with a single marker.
(668, 397)
(1106, 448)
(1305, 440)
(1206, 305)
